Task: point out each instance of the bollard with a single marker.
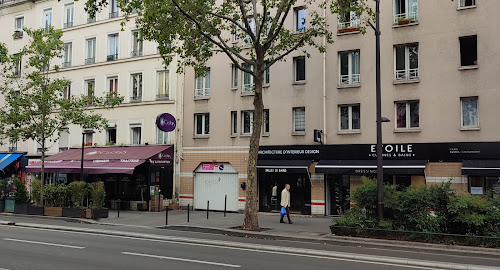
(225, 205)
(159, 202)
(119, 204)
(166, 215)
(188, 212)
(208, 206)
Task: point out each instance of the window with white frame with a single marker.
(135, 134)
(89, 139)
(265, 122)
(136, 87)
(91, 19)
(246, 122)
(405, 11)
(69, 10)
(18, 66)
(47, 18)
(90, 50)
(248, 84)
(111, 136)
(67, 92)
(234, 76)
(466, 3)
(234, 123)
(203, 85)
(90, 90)
(114, 10)
(349, 117)
(67, 54)
(18, 27)
(136, 44)
(300, 19)
(470, 117)
(299, 66)
(12, 146)
(161, 136)
(163, 85)
(64, 140)
(406, 62)
(267, 76)
(348, 22)
(202, 124)
(468, 51)
(299, 119)
(112, 47)
(349, 68)
(113, 86)
(407, 114)
(251, 23)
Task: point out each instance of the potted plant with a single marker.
(98, 195)
(3, 187)
(36, 196)
(20, 197)
(174, 205)
(52, 200)
(403, 21)
(17, 34)
(77, 190)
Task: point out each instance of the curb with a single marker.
(277, 249)
(76, 220)
(345, 241)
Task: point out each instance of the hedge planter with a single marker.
(53, 211)
(35, 210)
(100, 213)
(72, 212)
(174, 206)
(21, 208)
(2, 205)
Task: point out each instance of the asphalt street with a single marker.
(24, 248)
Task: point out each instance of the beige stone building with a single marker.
(100, 58)
(439, 90)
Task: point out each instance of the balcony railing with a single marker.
(136, 99)
(136, 53)
(349, 79)
(89, 61)
(405, 18)
(162, 97)
(66, 64)
(12, 149)
(68, 24)
(247, 88)
(405, 75)
(113, 15)
(112, 57)
(91, 20)
(18, 34)
(6, 2)
(354, 24)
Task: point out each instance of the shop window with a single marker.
(400, 181)
(468, 51)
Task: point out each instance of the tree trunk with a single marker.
(251, 221)
(42, 176)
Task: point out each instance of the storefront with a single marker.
(129, 173)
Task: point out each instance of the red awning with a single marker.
(98, 160)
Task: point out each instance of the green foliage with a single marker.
(78, 191)
(98, 194)
(57, 195)
(3, 188)
(21, 195)
(36, 192)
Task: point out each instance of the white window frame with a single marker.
(296, 18)
(67, 93)
(267, 77)
(69, 15)
(114, 10)
(166, 85)
(46, 12)
(140, 86)
(234, 123)
(204, 91)
(295, 110)
(407, 74)
(295, 67)
(113, 56)
(21, 18)
(234, 77)
(407, 114)
(67, 55)
(354, 21)
(462, 112)
(131, 128)
(463, 6)
(247, 40)
(116, 85)
(247, 88)
(64, 133)
(138, 43)
(250, 124)
(86, 87)
(87, 15)
(108, 141)
(204, 131)
(350, 78)
(349, 116)
(164, 136)
(412, 16)
(90, 41)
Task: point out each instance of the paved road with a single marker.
(24, 248)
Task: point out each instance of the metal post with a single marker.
(188, 212)
(380, 172)
(159, 205)
(81, 161)
(208, 205)
(166, 215)
(119, 206)
(225, 205)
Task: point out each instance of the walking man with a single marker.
(285, 202)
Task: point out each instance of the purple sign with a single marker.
(166, 122)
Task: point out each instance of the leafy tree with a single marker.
(36, 107)
(197, 29)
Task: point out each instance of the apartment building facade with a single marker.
(439, 91)
(100, 58)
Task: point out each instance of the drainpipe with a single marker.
(324, 85)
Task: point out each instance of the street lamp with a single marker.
(84, 132)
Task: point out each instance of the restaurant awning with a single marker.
(6, 159)
(283, 166)
(98, 160)
(407, 167)
(481, 167)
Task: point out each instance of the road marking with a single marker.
(41, 243)
(180, 259)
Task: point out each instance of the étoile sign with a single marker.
(393, 150)
(166, 122)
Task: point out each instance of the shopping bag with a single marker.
(283, 212)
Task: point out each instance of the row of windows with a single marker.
(407, 116)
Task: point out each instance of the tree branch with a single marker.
(297, 45)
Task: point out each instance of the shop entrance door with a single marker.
(337, 191)
(271, 185)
